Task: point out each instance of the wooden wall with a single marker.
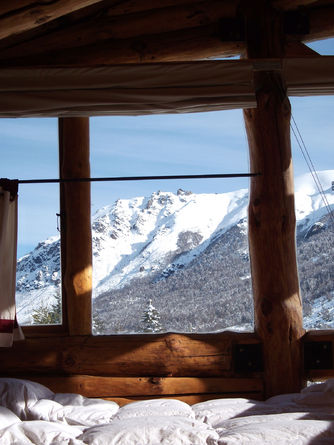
(189, 367)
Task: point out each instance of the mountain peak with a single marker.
(152, 238)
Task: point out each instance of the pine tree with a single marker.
(151, 319)
(46, 314)
(98, 325)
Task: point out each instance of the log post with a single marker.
(76, 239)
(277, 303)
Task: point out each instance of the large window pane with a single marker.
(29, 150)
(38, 277)
(170, 255)
(314, 208)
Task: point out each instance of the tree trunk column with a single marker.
(278, 309)
(76, 238)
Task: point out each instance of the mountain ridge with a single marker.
(152, 243)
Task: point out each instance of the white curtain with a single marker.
(9, 329)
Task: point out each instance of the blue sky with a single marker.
(150, 145)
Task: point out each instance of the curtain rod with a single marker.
(134, 178)
(11, 185)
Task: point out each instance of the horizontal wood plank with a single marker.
(319, 374)
(95, 386)
(132, 356)
(320, 336)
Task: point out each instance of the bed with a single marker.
(30, 413)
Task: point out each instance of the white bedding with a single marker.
(32, 414)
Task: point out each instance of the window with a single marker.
(170, 255)
(315, 228)
(29, 150)
(314, 208)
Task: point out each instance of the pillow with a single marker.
(19, 395)
(213, 412)
(7, 417)
(237, 422)
(289, 432)
(80, 410)
(155, 407)
(73, 409)
(165, 430)
(79, 400)
(45, 409)
(38, 432)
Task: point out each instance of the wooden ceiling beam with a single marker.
(186, 45)
(185, 32)
(321, 23)
(24, 19)
(298, 49)
(125, 7)
(291, 4)
(14, 5)
(115, 7)
(103, 27)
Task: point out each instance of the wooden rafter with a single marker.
(14, 5)
(17, 21)
(184, 45)
(119, 8)
(321, 23)
(298, 49)
(105, 28)
(291, 4)
(169, 32)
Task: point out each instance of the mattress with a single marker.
(31, 413)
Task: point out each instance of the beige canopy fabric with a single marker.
(309, 76)
(157, 88)
(126, 89)
(9, 329)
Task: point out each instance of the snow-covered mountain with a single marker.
(185, 252)
(136, 237)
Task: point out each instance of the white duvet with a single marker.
(32, 414)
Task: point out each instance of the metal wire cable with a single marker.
(309, 162)
(306, 155)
